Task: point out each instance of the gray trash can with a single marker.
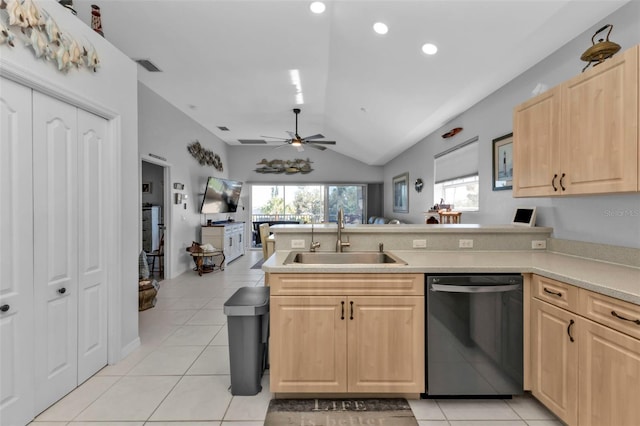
(248, 325)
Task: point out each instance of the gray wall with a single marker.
(166, 131)
(609, 219)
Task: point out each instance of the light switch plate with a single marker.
(465, 243)
(539, 244)
(297, 243)
(419, 243)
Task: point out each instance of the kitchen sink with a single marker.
(351, 257)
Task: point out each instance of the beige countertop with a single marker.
(621, 282)
(330, 228)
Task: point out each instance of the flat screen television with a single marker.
(221, 196)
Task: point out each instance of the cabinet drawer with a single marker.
(609, 311)
(555, 292)
(347, 284)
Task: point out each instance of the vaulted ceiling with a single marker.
(227, 62)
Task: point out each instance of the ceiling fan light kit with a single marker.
(298, 142)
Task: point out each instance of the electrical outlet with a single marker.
(297, 243)
(465, 243)
(539, 244)
(419, 243)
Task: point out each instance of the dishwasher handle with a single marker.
(474, 288)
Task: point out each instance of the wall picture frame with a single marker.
(503, 163)
(146, 187)
(400, 185)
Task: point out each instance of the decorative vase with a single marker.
(96, 19)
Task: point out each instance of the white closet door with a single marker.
(16, 255)
(55, 253)
(92, 291)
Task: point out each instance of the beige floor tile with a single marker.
(529, 408)
(106, 424)
(433, 423)
(426, 409)
(222, 338)
(182, 303)
(166, 316)
(43, 423)
(208, 317)
(250, 407)
(79, 399)
(131, 398)
(184, 424)
(216, 303)
(193, 335)
(243, 423)
(167, 361)
(476, 409)
(213, 360)
(544, 423)
(196, 398)
(487, 423)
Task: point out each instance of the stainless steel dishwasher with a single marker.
(474, 335)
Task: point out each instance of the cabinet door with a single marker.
(535, 146)
(386, 344)
(55, 205)
(308, 344)
(554, 359)
(16, 252)
(600, 128)
(609, 379)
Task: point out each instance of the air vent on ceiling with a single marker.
(148, 65)
(252, 141)
(223, 128)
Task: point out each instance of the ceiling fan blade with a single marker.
(322, 142)
(318, 136)
(252, 141)
(274, 137)
(293, 135)
(320, 147)
(280, 146)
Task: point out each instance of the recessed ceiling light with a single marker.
(429, 49)
(317, 7)
(380, 28)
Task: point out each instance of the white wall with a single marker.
(110, 92)
(166, 131)
(609, 219)
(328, 167)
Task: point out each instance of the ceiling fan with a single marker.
(296, 141)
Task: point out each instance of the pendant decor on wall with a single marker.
(288, 167)
(204, 156)
(34, 27)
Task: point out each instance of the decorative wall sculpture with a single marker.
(25, 21)
(284, 166)
(204, 156)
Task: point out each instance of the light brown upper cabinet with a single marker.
(580, 137)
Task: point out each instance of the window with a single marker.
(462, 193)
(456, 176)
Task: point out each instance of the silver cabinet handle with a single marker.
(474, 288)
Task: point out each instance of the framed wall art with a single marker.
(401, 193)
(146, 187)
(503, 162)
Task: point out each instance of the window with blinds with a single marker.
(456, 176)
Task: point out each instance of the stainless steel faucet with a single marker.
(339, 243)
(314, 244)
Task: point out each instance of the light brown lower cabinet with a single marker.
(586, 373)
(347, 343)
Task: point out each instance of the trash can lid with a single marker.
(248, 301)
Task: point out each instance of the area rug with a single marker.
(258, 264)
(334, 412)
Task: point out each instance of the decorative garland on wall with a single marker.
(40, 31)
(204, 156)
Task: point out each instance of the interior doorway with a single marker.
(155, 211)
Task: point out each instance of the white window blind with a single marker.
(457, 162)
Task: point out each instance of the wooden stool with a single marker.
(449, 217)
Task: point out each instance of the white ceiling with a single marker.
(227, 62)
